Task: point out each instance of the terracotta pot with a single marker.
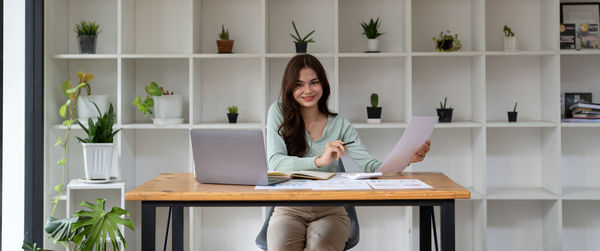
(225, 46)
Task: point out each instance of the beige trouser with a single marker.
(308, 228)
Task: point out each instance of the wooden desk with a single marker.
(178, 190)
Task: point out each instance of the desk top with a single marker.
(184, 187)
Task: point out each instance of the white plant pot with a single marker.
(168, 106)
(510, 43)
(97, 159)
(86, 109)
(373, 44)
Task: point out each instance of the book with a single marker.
(575, 97)
(567, 36)
(595, 106)
(314, 175)
(581, 120)
(588, 34)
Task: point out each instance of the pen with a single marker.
(348, 143)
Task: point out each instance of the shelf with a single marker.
(229, 126)
(386, 125)
(493, 124)
(520, 53)
(228, 55)
(62, 197)
(85, 56)
(579, 52)
(78, 184)
(372, 55)
(458, 124)
(290, 55)
(580, 193)
(153, 126)
(155, 56)
(494, 193)
(447, 54)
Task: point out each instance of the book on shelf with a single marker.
(580, 120)
(589, 105)
(571, 98)
(588, 36)
(314, 175)
(567, 36)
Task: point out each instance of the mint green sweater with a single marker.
(337, 128)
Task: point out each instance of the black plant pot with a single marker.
(445, 44)
(232, 117)
(87, 44)
(444, 115)
(512, 116)
(374, 112)
(301, 47)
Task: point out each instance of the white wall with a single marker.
(13, 151)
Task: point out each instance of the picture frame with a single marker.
(586, 17)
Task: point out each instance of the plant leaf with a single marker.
(62, 162)
(69, 122)
(57, 188)
(61, 229)
(66, 86)
(58, 142)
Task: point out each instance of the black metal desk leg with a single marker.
(148, 226)
(177, 239)
(448, 224)
(425, 227)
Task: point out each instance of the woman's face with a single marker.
(308, 88)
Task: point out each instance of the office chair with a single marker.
(261, 238)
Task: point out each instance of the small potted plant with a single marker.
(446, 42)
(512, 116)
(87, 33)
(232, 114)
(444, 113)
(370, 30)
(374, 112)
(168, 106)
(224, 44)
(301, 42)
(86, 109)
(98, 146)
(510, 41)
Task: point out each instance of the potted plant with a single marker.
(512, 116)
(444, 113)
(87, 230)
(232, 113)
(374, 112)
(370, 30)
(98, 146)
(510, 41)
(224, 44)
(87, 33)
(86, 109)
(168, 106)
(301, 42)
(446, 42)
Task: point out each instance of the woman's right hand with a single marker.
(333, 151)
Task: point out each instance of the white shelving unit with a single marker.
(534, 184)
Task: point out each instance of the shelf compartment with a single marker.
(447, 54)
(580, 193)
(156, 26)
(361, 77)
(579, 52)
(229, 126)
(520, 123)
(580, 158)
(279, 25)
(246, 28)
(581, 225)
(532, 21)
(505, 193)
(520, 53)
(373, 55)
(386, 125)
(172, 74)
(430, 17)
(579, 73)
(392, 17)
(526, 84)
(523, 225)
(242, 86)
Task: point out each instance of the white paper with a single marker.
(340, 184)
(287, 185)
(357, 176)
(398, 184)
(417, 132)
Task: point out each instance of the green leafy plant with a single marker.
(515, 108)
(299, 39)
(446, 42)
(101, 131)
(443, 105)
(371, 29)
(151, 90)
(374, 99)
(224, 35)
(232, 109)
(508, 32)
(90, 229)
(85, 28)
(32, 246)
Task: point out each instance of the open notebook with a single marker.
(315, 175)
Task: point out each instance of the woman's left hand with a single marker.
(421, 152)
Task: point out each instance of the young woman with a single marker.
(303, 134)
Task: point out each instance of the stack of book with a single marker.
(584, 112)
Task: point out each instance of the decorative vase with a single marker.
(87, 44)
(97, 159)
(510, 43)
(86, 108)
(225, 46)
(374, 114)
(512, 116)
(445, 115)
(301, 47)
(232, 117)
(168, 106)
(373, 45)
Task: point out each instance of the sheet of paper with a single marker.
(288, 185)
(357, 176)
(398, 184)
(340, 184)
(416, 133)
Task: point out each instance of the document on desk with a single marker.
(340, 184)
(416, 133)
(288, 185)
(399, 184)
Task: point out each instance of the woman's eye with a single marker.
(314, 82)
(298, 85)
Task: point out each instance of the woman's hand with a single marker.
(421, 152)
(333, 151)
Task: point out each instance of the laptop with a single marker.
(231, 156)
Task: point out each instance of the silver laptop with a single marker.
(231, 157)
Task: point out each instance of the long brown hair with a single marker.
(292, 129)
